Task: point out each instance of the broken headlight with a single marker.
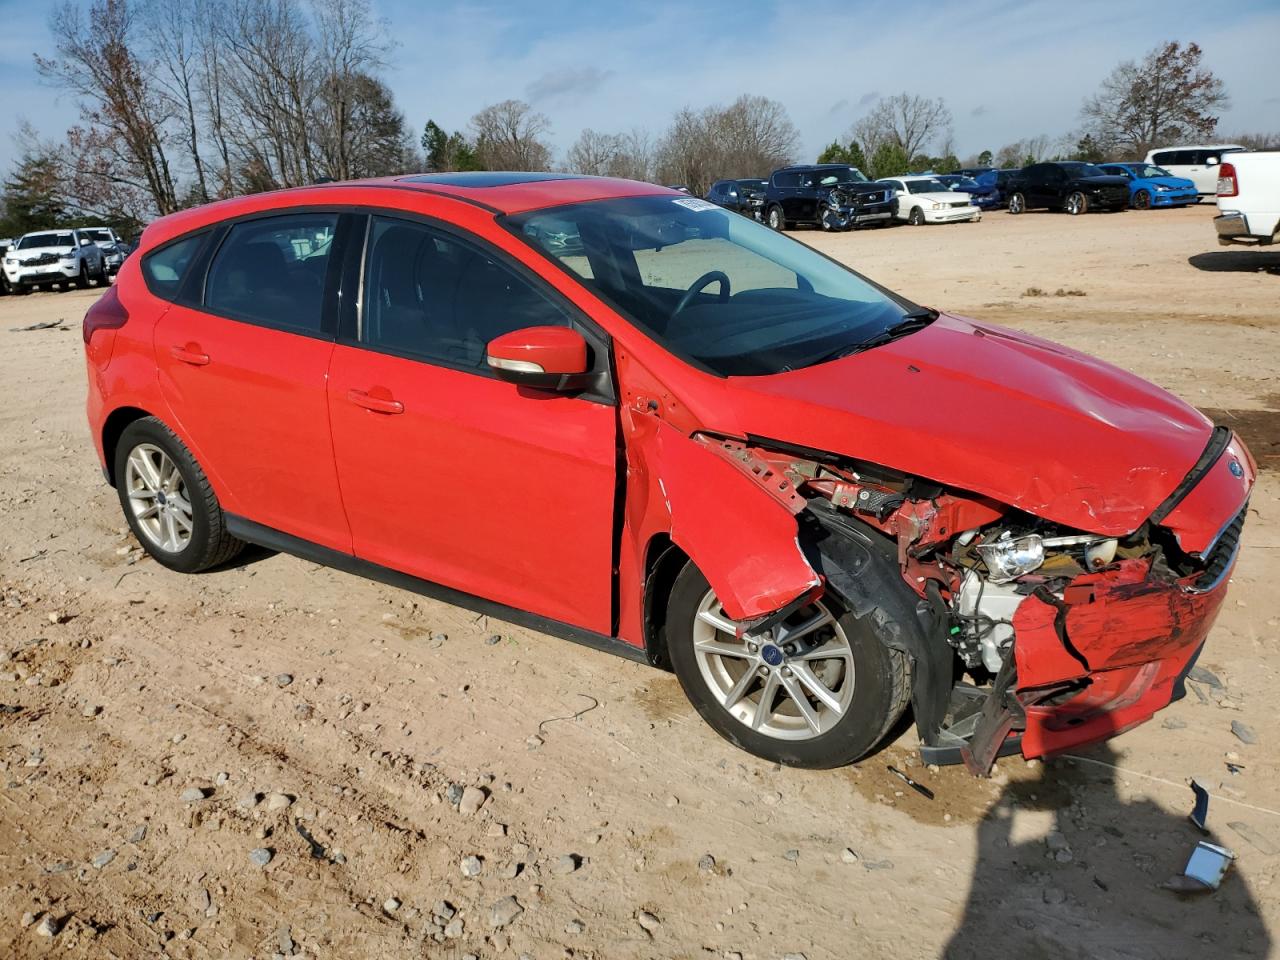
(1010, 558)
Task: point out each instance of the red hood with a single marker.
(1020, 420)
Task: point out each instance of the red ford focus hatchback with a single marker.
(614, 412)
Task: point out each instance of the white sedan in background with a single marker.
(928, 200)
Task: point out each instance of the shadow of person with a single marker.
(1067, 868)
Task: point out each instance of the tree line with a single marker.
(186, 101)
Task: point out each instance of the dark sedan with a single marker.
(983, 197)
(741, 196)
(1068, 185)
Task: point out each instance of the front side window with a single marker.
(786, 180)
(714, 288)
(430, 295)
(272, 271)
(165, 269)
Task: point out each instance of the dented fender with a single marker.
(742, 537)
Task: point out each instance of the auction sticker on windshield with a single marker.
(693, 203)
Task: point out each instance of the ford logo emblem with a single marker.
(1234, 466)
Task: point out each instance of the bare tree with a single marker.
(748, 138)
(123, 114)
(351, 44)
(906, 120)
(270, 80)
(636, 159)
(594, 153)
(1166, 97)
(510, 136)
(171, 32)
(1022, 152)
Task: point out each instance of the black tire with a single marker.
(774, 218)
(1142, 200)
(916, 217)
(1017, 203)
(82, 278)
(103, 279)
(883, 689)
(210, 544)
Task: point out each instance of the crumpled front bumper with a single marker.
(1110, 655)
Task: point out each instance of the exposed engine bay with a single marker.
(1023, 634)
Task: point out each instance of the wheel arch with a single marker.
(663, 561)
(112, 429)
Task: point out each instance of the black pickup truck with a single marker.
(833, 196)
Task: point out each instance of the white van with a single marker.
(1198, 163)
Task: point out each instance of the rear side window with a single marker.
(272, 271)
(1164, 156)
(432, 296)
(164, 269)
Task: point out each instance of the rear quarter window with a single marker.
(165, 269)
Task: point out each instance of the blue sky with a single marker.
(1007, 69)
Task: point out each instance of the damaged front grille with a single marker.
(1220, 556)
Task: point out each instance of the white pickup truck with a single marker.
(1249, 199)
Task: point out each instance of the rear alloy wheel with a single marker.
(1077, 203)
(1142, 200)
(167, 500)
(775, 219)
(916, 217)
(1017, 203)
(819, 690)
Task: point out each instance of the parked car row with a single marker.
(837, 196)
(46, 259)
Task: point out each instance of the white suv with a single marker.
(1198, 163)
(49, 257)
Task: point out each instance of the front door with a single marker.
(245, 371)
(448, 473)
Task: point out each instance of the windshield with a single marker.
(97, 233)
(716, 289)
(833, 175)
(1082, 170)
(927, 186)
(752, 184)
(1149, 170)
(45, 240)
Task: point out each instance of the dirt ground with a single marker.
(157, 729)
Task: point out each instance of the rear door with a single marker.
(243, 360)
(448, 473)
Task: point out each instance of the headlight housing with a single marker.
(935, 205)
(1009, 559)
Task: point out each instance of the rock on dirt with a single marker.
(504, 911)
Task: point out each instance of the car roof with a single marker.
(496, 192)
(1196, 146)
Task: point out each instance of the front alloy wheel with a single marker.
(818, 690)
(1076, 204)
(776, 220)
(916, 217)
(1017, 203)
(1142, 200)
(794, 683)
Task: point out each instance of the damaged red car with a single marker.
(621, 414)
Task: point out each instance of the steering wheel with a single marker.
(705, 280)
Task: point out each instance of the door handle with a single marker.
(377, 404)
(191, 354)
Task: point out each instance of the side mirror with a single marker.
(548, 358)
(1211, 161)
(85, 241)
